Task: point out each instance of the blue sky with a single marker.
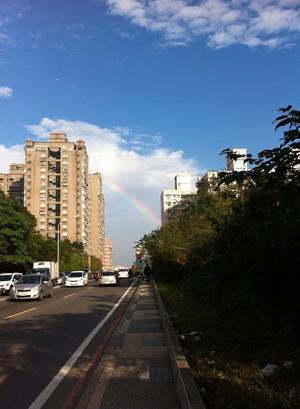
(156, 87)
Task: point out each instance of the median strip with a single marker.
(19, 313)
(69, 295)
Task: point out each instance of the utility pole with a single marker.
(89, 259)
(58, 245)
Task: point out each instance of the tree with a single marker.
(16, 231)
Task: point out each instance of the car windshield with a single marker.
(30, 279)
(76, 274)
(108, 273)
(123, 270)
(5, 277)
(41, 270)
(61, 274)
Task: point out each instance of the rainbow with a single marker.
(134, 201)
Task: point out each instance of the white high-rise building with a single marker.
(171, 197)
(237, 165)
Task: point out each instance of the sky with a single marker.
(154, 87)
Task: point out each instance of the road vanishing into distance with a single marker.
(38, 338)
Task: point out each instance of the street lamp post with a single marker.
(58, 244)
(58, 240)
(89, 259)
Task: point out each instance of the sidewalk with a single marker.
(135, 371)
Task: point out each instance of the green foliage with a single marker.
(242, 251)
(96, 264)
(16, 230)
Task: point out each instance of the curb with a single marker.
(187, 391)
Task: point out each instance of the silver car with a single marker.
(32, 286)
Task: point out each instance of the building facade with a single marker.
(12, 184)
(56, 187)
(237, 164)
(97, 235)
(171, 197)
(107, 258)
(209, 182)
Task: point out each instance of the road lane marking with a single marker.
(52, 385)
(19, 313)
(69, 295)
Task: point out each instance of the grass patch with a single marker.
(227, 355)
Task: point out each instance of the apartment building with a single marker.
(12, 183)
(56, 187)
(210, 180)
(97, 235)
(107, 258)
(237, 164)
(170, 197)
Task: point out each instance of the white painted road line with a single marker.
(3, 299)
(69, 295)
(19, 313)
(50, 388)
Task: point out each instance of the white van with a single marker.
(123, 273)
(76, 279)
(8, 280)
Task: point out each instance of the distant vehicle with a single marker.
(123, 273)
(49, 268)
(8, 280)
(76, 279)
(109, 278)
(32, 286)
(62, 277)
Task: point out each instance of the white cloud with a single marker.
(5, 92)
(8, 155)
(220, 22)
(136, 163)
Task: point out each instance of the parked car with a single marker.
(32, 286)
(109, 278)
(8, 280)
(76, 279)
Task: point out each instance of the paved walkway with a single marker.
(135, 371)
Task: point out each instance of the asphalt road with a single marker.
(37, 338)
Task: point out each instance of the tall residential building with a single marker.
(56, 187)
(209, 182)
(97, 235)
(171, 197)
(12, 184)
(107, 259)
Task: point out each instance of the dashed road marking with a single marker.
(69, 295)
(19, 313)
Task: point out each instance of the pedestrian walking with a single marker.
(147, 273)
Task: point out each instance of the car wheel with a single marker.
(40, 298)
